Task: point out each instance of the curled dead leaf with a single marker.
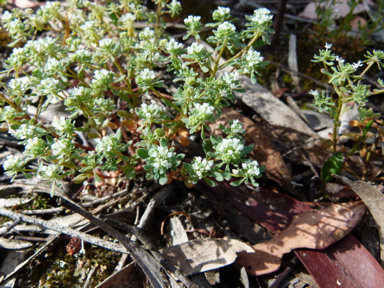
(314, 230)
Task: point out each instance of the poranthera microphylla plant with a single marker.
(101, 67)
(348, 86)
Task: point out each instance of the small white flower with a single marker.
(261, 16)
(147, 74)
(328, 46)
(105, 42)
(195, 49)
(340, 60)
(10, 162)
(357, 65)
(226, 27)
(314, 93)
(191, 20)
(223, 11)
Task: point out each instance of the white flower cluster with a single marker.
(249, 168)
(226, 28)
(262, 15)
(145, 79)
(105, 42)
(146, 75)
(12, 162)
(62, 148)
(50, 171)
(172, 46)
(221, 13)
(88, 26)
(127, 20)
(231, 79)
(17, 86)
(204, 109)
(161, 157)
(195, 49)
(148, 111)
(147, 34)
(201, 166)
(237, 127)
(64, 126)
(252, 58)
(48, 86)
(82, 55)
(192, 20)
(35, 147)
(25, 131)
(230, 150)
(105, 144)
(103, 74)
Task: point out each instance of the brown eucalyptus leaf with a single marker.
(314, 230)
(204, 255)
(374, 200)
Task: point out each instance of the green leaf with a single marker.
(163, 142)
(119, 134)
(207, 146)
(188, 166)
(215, 139)
(210, 182)
(80, 178)
(97, 177)
(227, 173)
(218, 176)
(163, 179)
(237, 182)
(333, 165)
(143, 153)
(248, 149)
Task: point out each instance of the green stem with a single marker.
(243, 51)
(336, 118)
(126, 80)
(218, 58)
(165, 100)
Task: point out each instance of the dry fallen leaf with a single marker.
(374, 200)
(203, 255)
(314, 230)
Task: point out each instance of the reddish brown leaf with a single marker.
(272, 210)
(315, 230)
(346, 263)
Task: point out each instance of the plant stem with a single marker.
(243, 51)
(218, 58)
(336, 118)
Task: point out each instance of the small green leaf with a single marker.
(163, 142)
(218, 176)
(248, 149)
(80, 178)
(143, 153)
(188, 166)
(163, 179)
(215, 139)
(237, 182)
(210, 182)
(93, 135)
(119, 134)
(97, 177)
(207, 146)
(333, 165)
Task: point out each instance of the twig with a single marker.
(38, 252)
(159, 257)
(64, 230)
(140, 256)
(9, 227)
